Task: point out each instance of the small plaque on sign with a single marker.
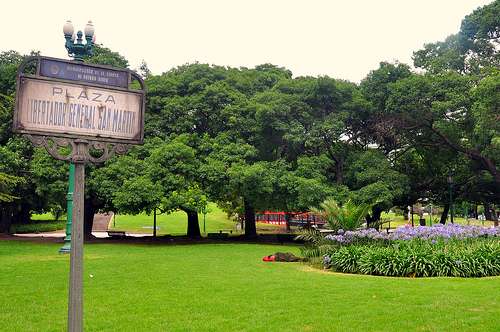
(83, 73)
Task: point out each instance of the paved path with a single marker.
(62, 234)
(99, 229)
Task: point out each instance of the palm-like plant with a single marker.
(316, 245)
(349, 216)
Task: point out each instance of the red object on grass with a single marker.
(270, 258)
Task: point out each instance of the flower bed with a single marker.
(453, 231)
(419, 258)
(451, 250)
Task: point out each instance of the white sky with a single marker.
(339, 38)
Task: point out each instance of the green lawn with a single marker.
(46, 217)
(398, 220)
(176, 223)
(226, 287)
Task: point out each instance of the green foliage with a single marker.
(315, 244)
(471, 50)
(7, 182)
(175, 222)
(136, 195)
(50, 178)
(6, 107)
(346, 259)
(417, 258)
(349, 216)
(104, 56)
(375, 86)
(485, 115)
(38, 226)
(9, 60)
(257, 138)
(374, 181)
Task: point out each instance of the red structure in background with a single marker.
(304, 219)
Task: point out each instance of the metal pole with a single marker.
(154, 223)
(75, 305)
(66, 248)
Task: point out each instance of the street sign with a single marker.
(63, 107)
(73, 71)
(79, 113)
(77, 110)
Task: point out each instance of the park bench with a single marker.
(223, 234)
(116, 234)
(286, 237)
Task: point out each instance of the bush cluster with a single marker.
(38, 226)
(478, 257)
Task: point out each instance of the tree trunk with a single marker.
(24, 216)
(494, 214)
(5, 218)
(372, 219)
(88, 217)
(250, 229)
(444, 215)
(489, 213)
(193, 226)
(473, 154)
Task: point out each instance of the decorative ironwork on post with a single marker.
(77, 51)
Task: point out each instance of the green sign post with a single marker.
(66, 248)
(78, 51)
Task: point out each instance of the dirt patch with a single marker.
(40, 239)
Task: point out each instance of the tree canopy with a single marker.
(253, 139)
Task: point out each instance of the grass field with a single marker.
(176, 223)
(398, 220)
(226, 287)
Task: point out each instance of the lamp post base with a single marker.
(66, 248)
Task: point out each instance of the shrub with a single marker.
(347, 217)
(478, 257)
(38, 226)
(347, 259)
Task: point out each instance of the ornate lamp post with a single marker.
(77, 51)
(66, 248)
